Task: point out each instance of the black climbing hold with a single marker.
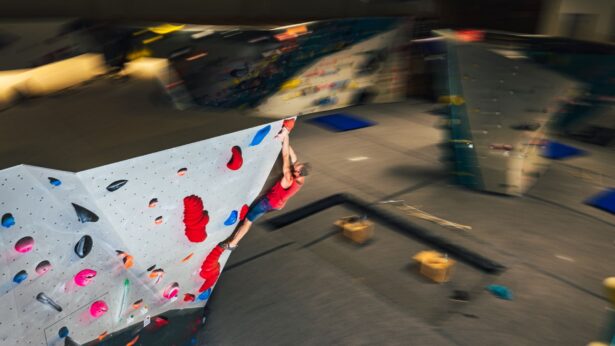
(84, 214)
(84, 246)
(54, 181)
(116, 185)
(153, 202)
(151, 268)
(45, 299)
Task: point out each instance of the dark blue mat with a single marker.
(558, 151)
(604, 200)
(341, 122)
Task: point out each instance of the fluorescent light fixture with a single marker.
(358, 158)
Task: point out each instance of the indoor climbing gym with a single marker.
(346, 172)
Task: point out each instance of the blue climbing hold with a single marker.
(54, 181)
(232, 218)
(260, 135)
(63, 332)
(500, 291)
(204, 295)
(8, 220)
(20, 277)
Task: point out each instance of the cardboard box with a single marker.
(435, 266)
(357, 230)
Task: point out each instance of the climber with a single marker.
(292, 180)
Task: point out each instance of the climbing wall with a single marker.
(89, 253)
(371, 68)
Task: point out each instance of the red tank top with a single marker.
(278, 195)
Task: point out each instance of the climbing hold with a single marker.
(195, 219)
(187, 258)
(102, 335)
(136, 305)
(289, 124)
(116, 185)
(153, 202)
(236, 160)
(171, 291)
(84, 277)
(54, 181)
(231, 219)
(43, 267)
(157, 274)
(63, 332)
(98, 308)
(151, 268)
(20, 277)
(182, 171)
(260, 135)
(84, 246)
(127, 259)
(500, 291)
(210, 269)
(45, 299)
(8, 220)
(189, 297)
(243, 212)
(130, 318)
(158, 220)
(84, 215)
(24, 244)
(161, 321)
(133, 341)
(205, 295)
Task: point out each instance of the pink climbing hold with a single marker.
(24, 244)
(171, 291)
(98, 308)
(236, 160)
(84, 277)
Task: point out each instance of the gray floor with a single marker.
(304, 284)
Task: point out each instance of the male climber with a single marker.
(292, 180)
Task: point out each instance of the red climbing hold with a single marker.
(243, 212)
(210, 269)
(236, 160)
(195, 219)
(189, 297)
(289, 124)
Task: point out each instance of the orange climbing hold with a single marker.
(133, 341)
(102, 335)
(187, 258)
(127, 259)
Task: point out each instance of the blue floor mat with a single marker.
(604, 200)
(558, 151)
(341, 122)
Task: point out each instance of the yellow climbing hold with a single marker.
(166, 28)
(290, 84)
(455, 100)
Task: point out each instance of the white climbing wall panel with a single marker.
(39, 203)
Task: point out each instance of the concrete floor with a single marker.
(304, 284)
